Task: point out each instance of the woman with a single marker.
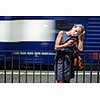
(67, 42)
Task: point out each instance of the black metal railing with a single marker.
(37, 67)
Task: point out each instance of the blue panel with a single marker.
(91, 42)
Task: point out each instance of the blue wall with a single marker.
(91, 41)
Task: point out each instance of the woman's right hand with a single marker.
(62, 46)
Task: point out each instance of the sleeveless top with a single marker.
(66, 38)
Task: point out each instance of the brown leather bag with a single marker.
(78, 62)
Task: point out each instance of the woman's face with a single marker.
(76, 29)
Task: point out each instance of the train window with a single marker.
(38, 30)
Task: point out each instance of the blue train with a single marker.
(33, 37)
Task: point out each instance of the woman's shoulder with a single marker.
(62, 32)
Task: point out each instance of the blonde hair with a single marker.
(82, 28)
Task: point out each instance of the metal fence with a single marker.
(37, 67)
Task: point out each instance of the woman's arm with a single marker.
(80, 44)
(59, 46)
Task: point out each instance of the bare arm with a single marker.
(80, 45)
(59, 46)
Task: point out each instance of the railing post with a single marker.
(48, 70)
(4, 69)
(11, 67)
(33, 68)
(90, 70)
(84, 68)
(26, 66)
(77, 63)
(98, 68)
(19, 66)
(40, 69)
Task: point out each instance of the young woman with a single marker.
(65, 46)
